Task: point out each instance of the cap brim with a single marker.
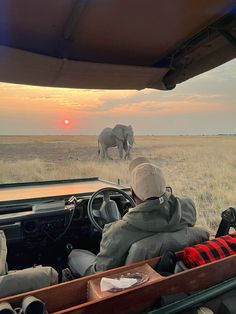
(136, 162)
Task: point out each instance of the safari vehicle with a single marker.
(105, 44)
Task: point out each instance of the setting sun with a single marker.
(66, 121)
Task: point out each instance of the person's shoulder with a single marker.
(114, 226)
(186, 205)
(188, 201)
(185, 200)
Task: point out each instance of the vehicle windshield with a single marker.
(189, 132)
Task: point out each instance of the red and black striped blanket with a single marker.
(210, 251)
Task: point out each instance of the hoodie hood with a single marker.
(168, 213)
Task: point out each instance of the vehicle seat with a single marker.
(19, 281)
(157, 244)
(79, 260)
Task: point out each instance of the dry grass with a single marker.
(201, 167)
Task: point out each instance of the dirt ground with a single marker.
(200, 167)
(48, 148)
(51, 148)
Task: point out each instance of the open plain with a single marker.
(201, 167)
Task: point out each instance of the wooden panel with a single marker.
(140, 299)
(71, 297)
(71, 293)
(94, 291)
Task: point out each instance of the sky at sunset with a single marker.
(203, 105)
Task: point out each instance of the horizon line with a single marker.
(202, 134)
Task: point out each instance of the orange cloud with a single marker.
(33, 99)
(30, 100)
(167, 107)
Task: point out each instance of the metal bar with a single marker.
(193, 300)
(74, 18)
(203, 35)
(228, 36)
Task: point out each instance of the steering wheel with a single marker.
(108, 212)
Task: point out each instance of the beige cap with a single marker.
(137, 161)
(147, 181)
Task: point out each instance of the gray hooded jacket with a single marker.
(164, 216)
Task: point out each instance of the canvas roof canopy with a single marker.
(114, 44)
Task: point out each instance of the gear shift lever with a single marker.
(69, 248)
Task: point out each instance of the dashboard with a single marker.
(29, 222)
(43, 233)
(41, 225)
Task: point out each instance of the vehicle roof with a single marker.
(114, 44)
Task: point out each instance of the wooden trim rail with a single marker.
(73, 296)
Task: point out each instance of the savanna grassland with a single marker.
(201, 167)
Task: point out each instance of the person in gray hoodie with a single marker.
(158, 213)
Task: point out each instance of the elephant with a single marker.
(121, 136)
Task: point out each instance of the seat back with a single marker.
(157, 244)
